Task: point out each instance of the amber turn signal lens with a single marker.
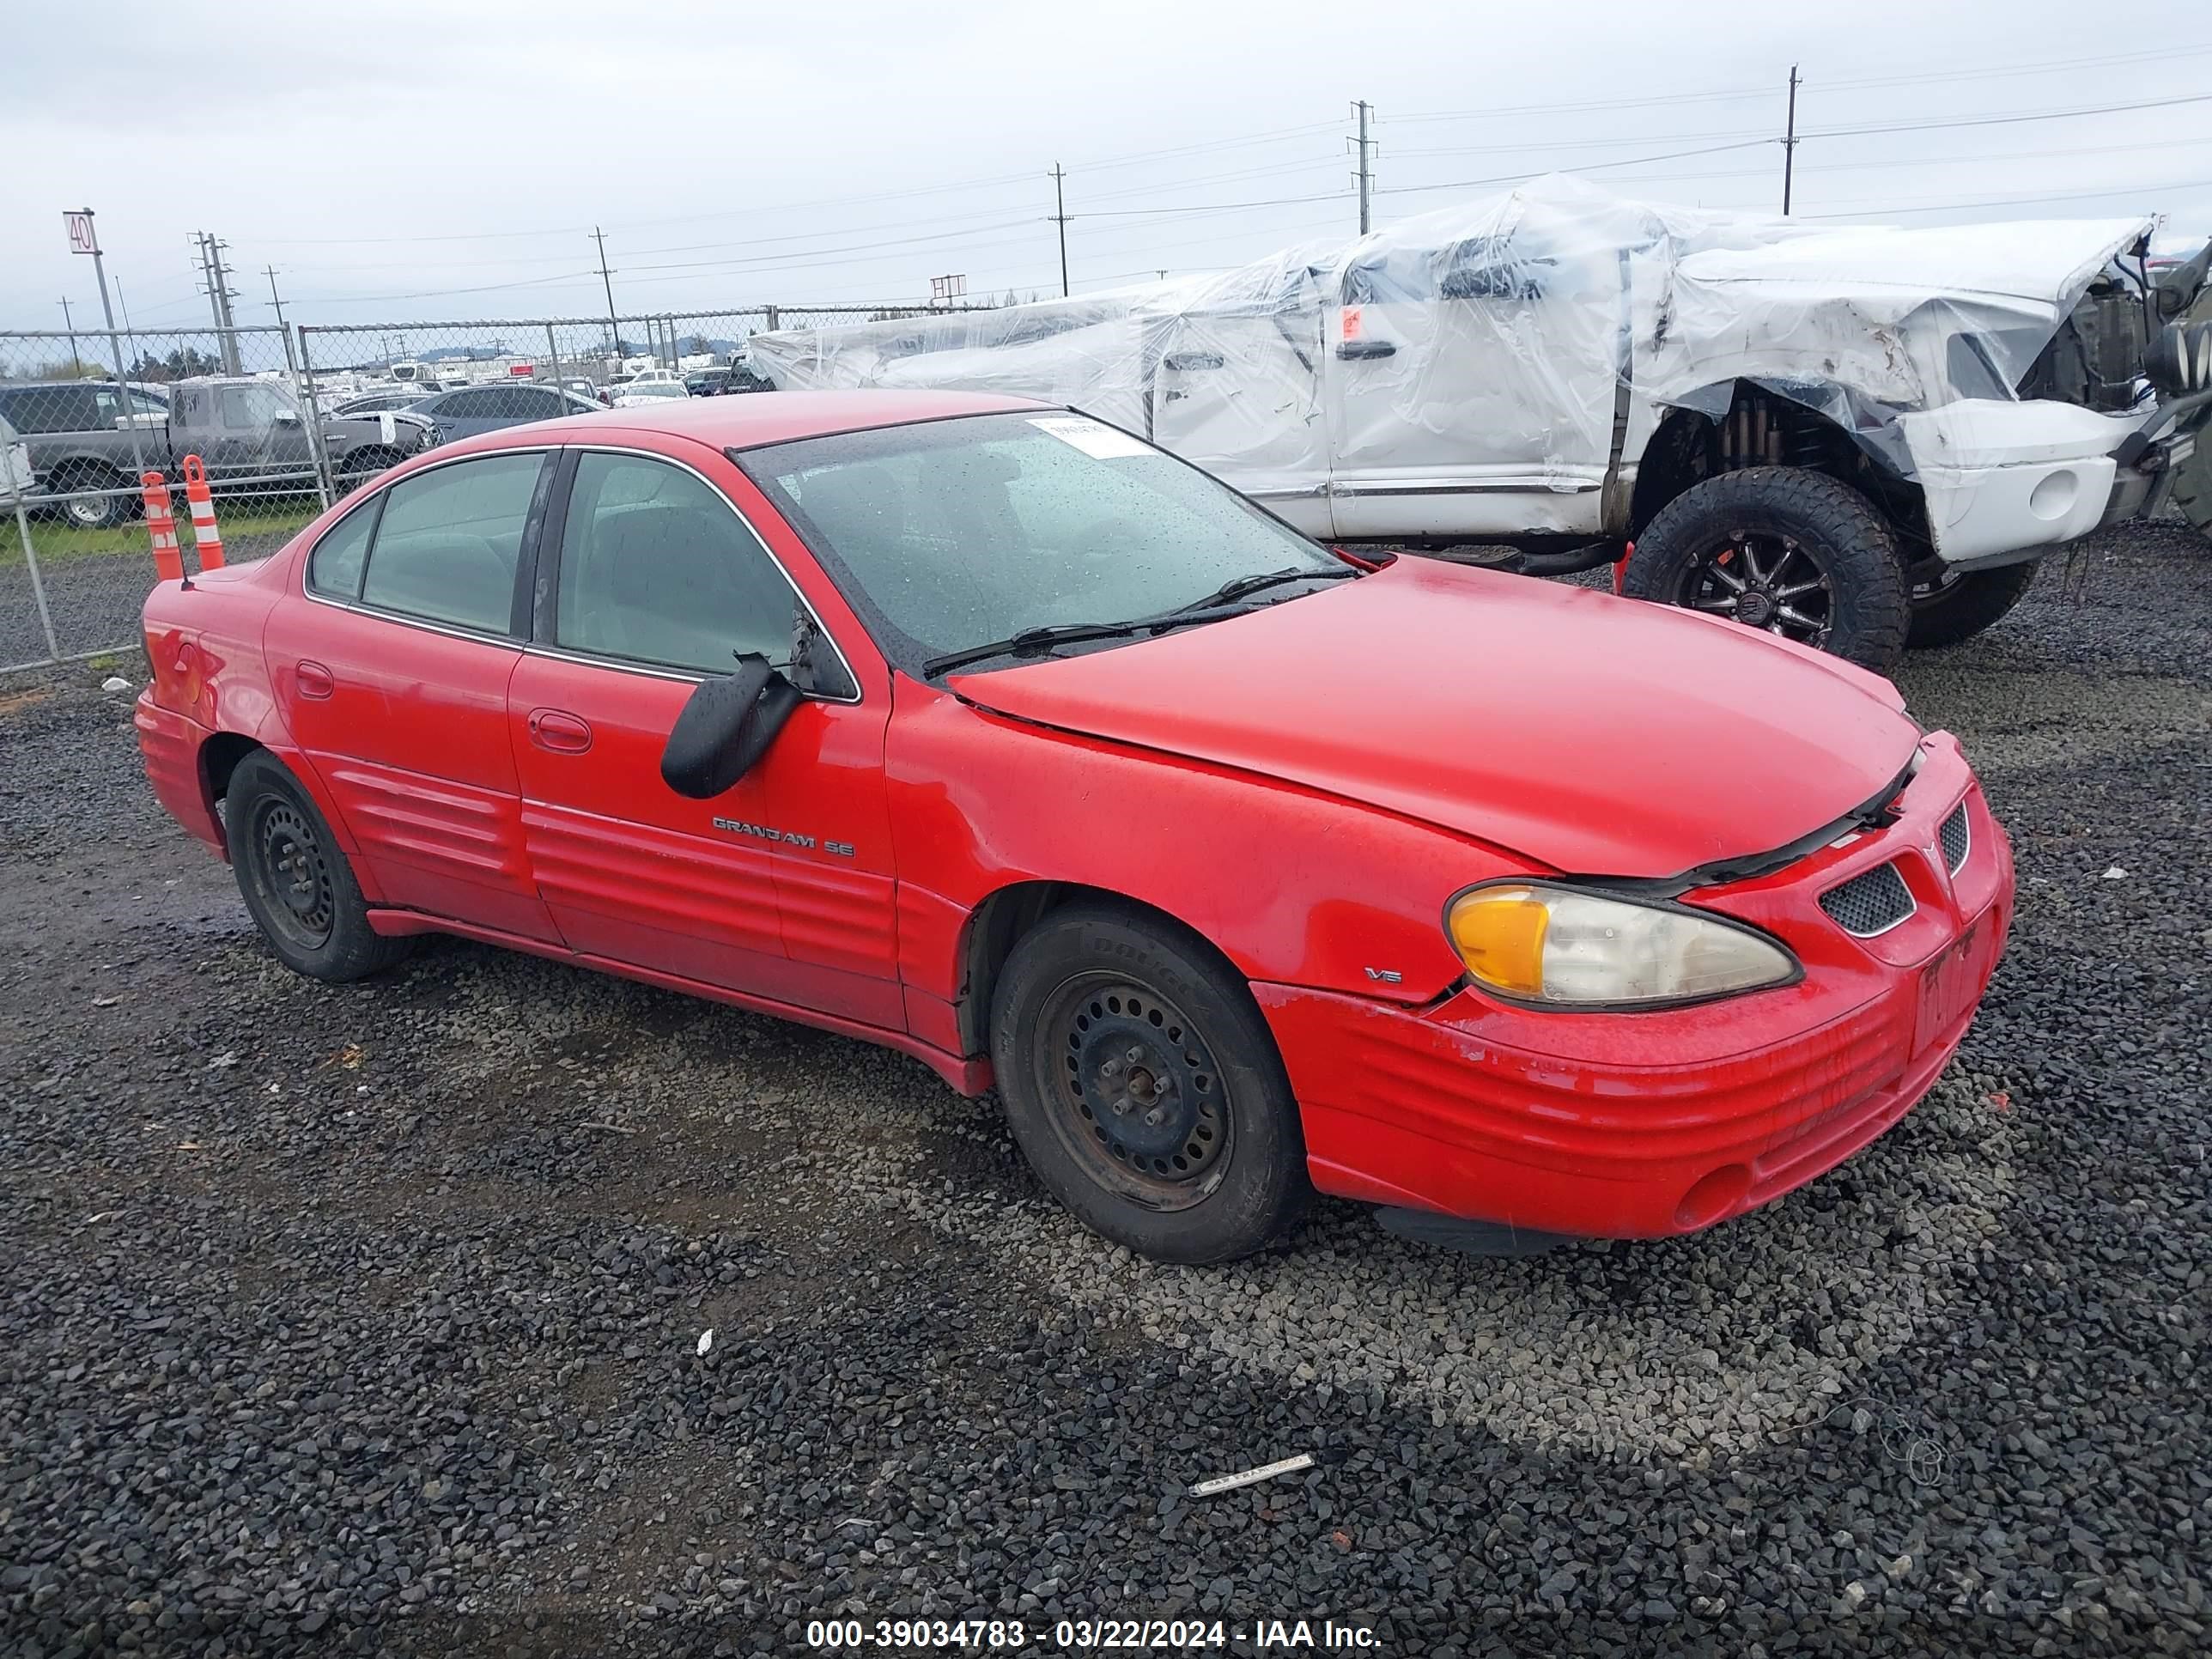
(1499, 934)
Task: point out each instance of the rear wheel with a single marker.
(357, 469)
(1961, 604)
(295, 881)
(1145, 1088)
(100, 511)
(1792, 552)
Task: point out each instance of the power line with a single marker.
(2010, 120)
(2021, 200)
(1629, 162)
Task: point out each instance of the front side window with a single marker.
(952, 533)
(657, 566)
(449, 540)
(250, 407)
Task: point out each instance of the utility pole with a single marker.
(614, 328)
(270, 271)
(1789, 144)
(1059, 218)
(69, 324)
(220, 295)
(1363, 109)
(91, 245)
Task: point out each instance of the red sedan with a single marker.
(991, 734)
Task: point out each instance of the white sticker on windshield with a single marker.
(1099, 442)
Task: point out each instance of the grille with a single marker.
(1958, 839)
(1871, 904)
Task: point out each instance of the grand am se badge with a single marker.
(843, 849)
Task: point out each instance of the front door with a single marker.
(393, 672)
(1472, 380)
(779, 888)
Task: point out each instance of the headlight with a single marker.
(1563, 946)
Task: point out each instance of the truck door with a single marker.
(1237, 389)
(1473, 385)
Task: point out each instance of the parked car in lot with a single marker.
(632, 393)
(87, 455)
(381, 402)
(986, 731)
(1857, 437)
(477, 409)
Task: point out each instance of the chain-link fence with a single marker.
(285, 421)
(84, 414)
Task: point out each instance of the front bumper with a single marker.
(1638, 1125)
(2003, 482)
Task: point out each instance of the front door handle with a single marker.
(316, 681)
(557, 730)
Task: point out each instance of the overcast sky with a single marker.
(410, 161)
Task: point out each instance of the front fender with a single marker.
(1292, 885)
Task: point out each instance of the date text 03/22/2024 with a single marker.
(1093, 1635)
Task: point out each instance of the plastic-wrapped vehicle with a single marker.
(1821, 432)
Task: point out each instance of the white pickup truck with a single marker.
(1840, 435)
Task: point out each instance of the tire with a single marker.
(1780, 527)
(312, 914)
(1969, 602)
(1223, 1170)
(104, 513)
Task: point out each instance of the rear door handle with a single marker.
(316, 681)
(559, 731)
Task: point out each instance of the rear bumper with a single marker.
(170, 745)
(1638, 1125)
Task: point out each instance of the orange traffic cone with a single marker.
(201, 505)
(162, 524)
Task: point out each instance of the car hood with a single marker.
(1595, 735)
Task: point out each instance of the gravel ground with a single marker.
(367, 1320)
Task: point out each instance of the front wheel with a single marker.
(1792, 552)
(1959, 604)
(1145, 1088)
(295, 879)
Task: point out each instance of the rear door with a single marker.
(1237, 391)
(469, 413)
(782, 887)
(393, 667)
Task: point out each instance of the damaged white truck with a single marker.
(1860, 438)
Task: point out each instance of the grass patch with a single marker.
(262, 522)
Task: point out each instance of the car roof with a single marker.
(780, 417)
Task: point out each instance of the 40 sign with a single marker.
(82, 238)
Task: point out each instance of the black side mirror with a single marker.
(726, 727)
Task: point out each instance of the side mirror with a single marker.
(286, 418)
(726, 727)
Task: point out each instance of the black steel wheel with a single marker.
(1141, 1102)
(285, 858)
(294, 878)
(1784, 550)
(1144, 1086)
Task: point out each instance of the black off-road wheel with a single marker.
(1946, 613)
(1777, 548)
(295, 879)
(364, 467)
(1145, 1088)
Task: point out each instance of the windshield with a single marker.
(951, 534)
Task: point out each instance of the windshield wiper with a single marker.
(1238, 586)
(1037, 641)
(1032, 641)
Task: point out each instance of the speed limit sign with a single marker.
(82, 239)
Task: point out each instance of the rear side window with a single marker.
(657, 566)
(447, 544)
(39, 409)
(334, 566)
(471, 406)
